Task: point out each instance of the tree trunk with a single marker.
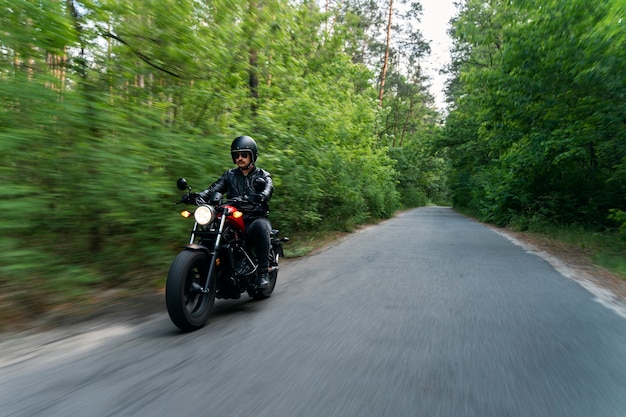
(383, 75)
(253, 81)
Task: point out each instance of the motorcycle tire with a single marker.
(187, 305)
(257, 294)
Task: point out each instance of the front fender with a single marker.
(197, 248)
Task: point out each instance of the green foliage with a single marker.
(536, 130)
(605, 249)
(105, 104)
(619, 217)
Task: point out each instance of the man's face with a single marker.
(242, 159)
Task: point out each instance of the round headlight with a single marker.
(204, 215)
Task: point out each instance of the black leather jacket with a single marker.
(234, 184)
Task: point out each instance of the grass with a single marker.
(605, 249)
(612, 262)
(302, 244)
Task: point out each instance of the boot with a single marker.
(263, 279)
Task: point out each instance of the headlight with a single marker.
(204, 215)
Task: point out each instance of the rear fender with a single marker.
(277, 242)
(278, 248)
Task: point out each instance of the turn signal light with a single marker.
(185, 213)
(237, 214)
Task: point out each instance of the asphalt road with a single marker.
(427, 314)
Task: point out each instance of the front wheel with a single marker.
(188, 305)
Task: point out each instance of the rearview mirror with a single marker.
(181, 183)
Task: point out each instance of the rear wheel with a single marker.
(188, 305)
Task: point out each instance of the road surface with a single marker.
(427, 314)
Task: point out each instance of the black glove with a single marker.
(190, 198)
(258, 198)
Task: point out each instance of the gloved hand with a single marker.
(190, 198)
(258, 198)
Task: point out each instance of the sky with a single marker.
(434, 23)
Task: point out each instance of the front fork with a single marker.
(218, 240)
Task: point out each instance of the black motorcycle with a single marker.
(217, 262)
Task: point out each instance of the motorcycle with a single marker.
(217, 262)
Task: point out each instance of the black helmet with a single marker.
(244, 143)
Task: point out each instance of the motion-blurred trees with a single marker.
(103, 104)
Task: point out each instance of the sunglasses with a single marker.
(244, 155)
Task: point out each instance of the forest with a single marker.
(104, 104)
(537, 127)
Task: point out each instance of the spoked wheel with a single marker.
(188, 305)
(263, 294)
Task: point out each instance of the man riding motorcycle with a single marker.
(254, 186)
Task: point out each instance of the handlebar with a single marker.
(242, 203)
(191, 199)
(196, 200)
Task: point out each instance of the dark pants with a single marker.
(258, 234)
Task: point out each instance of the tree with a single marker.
(540, 106)
(383, 73)
(115, 100)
